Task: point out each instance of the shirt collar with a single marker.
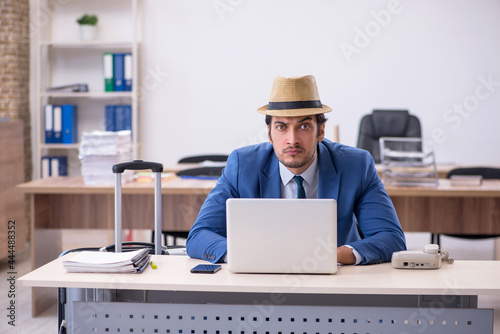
(308, 174)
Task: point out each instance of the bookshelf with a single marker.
(63, 59)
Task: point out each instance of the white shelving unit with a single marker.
(63, 59)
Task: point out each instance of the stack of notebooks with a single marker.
(99, 151)
(107, 262)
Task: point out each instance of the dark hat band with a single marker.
(294, 105)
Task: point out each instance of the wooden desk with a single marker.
(442, 170)
(380, 298)
(67, 203)
(449, 209)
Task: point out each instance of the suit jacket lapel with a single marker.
(270, 180)
(329, 179)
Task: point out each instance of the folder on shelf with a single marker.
(127, 72)
(74, 88)
(118, 73)
(123, 117)
(57, 117)
(58, 166)
(45, 167)
(69, 124)
(49, 124)
(108, 69)
(118, 117)
(54, 166)
(109, 118)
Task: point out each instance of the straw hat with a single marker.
(296, 96)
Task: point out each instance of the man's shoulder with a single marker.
(252, 156)
(344, 158)
(257, 148)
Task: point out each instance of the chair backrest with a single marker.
(201, 158)
(204, 171)
(485, 172)
(386, 123)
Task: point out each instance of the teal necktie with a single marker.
(301, 192)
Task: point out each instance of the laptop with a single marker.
(285, 236)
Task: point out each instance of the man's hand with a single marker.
(345, 255)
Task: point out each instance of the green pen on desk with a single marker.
(154, 266)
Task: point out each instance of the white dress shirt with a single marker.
(311, 181)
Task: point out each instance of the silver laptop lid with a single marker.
(282, 235)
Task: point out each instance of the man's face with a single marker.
(295, 140)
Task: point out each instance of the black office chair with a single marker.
(203, 171)
(486, 173)
(386, 123)
(208, 171)
(202, 158)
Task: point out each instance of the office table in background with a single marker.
(65, 203)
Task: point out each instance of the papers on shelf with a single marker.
(107, 262)
(408, 162)
(99, 151)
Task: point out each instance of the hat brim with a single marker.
(294, 112)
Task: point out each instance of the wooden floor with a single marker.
(47, 322)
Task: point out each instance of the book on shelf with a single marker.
(57, 126)
(118, 72)
(127, 72)
(69, 124)
(109, 80)
(71, 88)
(48, 123)
(118, 117)
(108, 262)
(52, 166)
(61, 124)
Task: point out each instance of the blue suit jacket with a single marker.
(346, 174)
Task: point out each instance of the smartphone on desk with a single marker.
(206, 268)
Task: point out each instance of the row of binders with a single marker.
(118, 117)
(117, 70)
(54, 166)
(107, 262)
(61, 123)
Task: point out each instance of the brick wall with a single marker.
(14, 69)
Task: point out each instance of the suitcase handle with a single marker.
(138, 165)
(118, 169)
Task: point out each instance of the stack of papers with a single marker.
(99, 151)
(107, 262)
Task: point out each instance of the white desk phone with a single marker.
(430, 258)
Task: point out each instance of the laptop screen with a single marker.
(282, 235)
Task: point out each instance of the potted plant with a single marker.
(88, 27)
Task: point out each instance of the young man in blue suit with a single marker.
(296, 124)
